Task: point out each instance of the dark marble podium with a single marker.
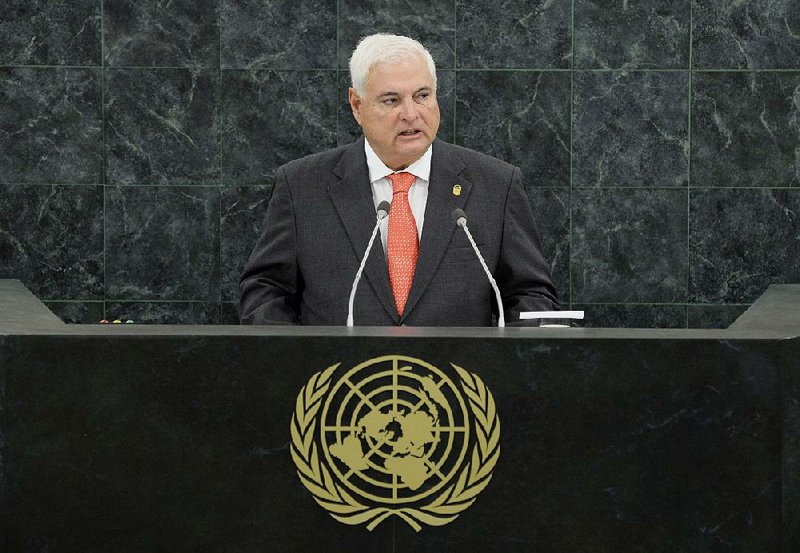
(118, 438)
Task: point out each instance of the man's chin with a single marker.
(406, 157)
(415, 145)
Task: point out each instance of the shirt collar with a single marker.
(378, 169)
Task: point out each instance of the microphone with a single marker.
(460, 219)
(381, 213)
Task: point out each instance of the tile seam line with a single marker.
(454, 122)
(220, 181)
(104, 153)
(337, 121)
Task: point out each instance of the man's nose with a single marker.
(409, 109)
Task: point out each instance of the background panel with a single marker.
(160, 126)
(162, 243)
(534, 34)
(741, 241)
(268, 118)
(50, 125)
(51, 238)
(430, 22)
(632, 316)
(746, 129)
(632, 35)
(751, 35)
(278, 34)
(42, 32)
(629, 246)
(178, 33)
(521, 117)
(630, 129)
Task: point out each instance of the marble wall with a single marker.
(660, 141)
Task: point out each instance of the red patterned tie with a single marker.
(403, 242)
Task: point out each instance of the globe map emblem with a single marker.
(395, 436)
(395, 429)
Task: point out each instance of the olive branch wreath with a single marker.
(445, 508)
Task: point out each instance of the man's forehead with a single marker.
(389, 74)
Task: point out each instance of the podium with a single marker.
(137, 438)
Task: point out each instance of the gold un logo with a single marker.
(395, 436)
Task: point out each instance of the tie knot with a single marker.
(401, 182)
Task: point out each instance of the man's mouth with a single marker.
(412, 132)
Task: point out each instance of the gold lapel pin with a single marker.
(456, 190)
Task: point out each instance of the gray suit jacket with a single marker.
(319, 221)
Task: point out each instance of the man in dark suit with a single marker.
(423, 271)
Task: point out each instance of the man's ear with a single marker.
(355, 103)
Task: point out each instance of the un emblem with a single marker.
(395, 436)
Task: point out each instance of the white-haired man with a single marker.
(423, 272)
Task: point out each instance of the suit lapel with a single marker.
(439, 226)
(352, 198)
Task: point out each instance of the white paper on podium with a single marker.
(527, 315)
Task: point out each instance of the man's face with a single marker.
(398, 113)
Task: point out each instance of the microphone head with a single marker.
(459, 217)
(383, 209)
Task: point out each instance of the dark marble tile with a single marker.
(349, 130)
(632, 316)
(741, 241)
(752, 35)
(229, 314)
(631, 35)
(551, 209)
(431, 23)
(519, 117)
(162, 243)
(77, 312)
(243, 210)
(178, 33)
(278, 34)
(629, 246)
(184, 313)
(160, 126)
(630, 129)
(38, 32)
(50, 126)
(744, 129)
(514, 34)
(268, 118)
(51, 239)
(714, 316)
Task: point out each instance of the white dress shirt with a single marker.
(382, 187)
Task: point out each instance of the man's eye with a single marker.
(390, 101)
